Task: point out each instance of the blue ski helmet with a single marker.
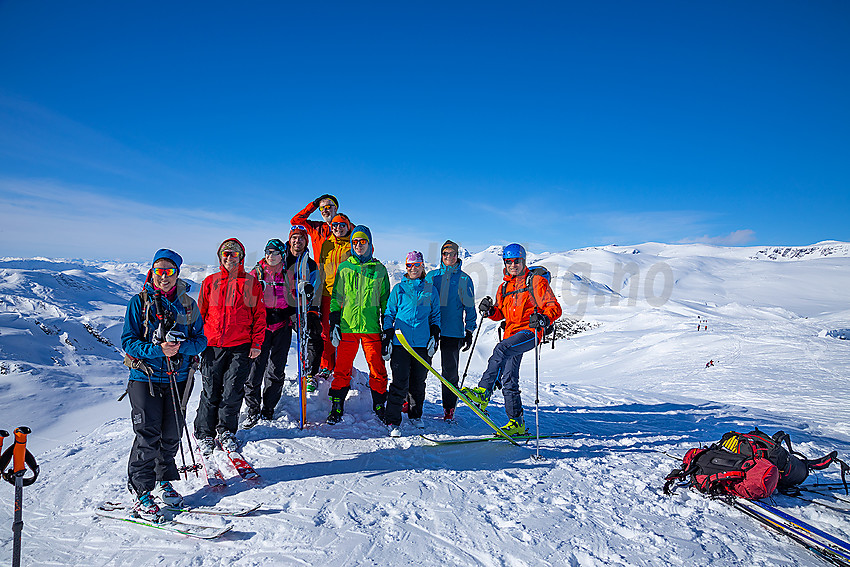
(513, 251)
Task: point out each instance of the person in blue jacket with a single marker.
(163, 332)
(457, 312)
(414, 309)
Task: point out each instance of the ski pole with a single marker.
(537, 392)
(21, 459)
(179, 418)
(471, 352)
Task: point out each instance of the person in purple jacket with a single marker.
(272, 360)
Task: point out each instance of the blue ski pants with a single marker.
(504, 366)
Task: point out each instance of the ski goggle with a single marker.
(359, 241)
(339, 225)
(165, 271)
(510, 261)
(414, 265)
(326, 208)
(229, 253)
(272, 251)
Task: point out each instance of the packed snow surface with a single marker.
(642, 384)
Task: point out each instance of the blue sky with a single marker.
(128, 126)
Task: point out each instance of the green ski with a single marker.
(454, 390)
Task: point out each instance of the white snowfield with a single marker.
(641, 383)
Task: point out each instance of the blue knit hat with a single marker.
(170, 255)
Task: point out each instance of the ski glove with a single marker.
(387, 343)
(486, 307)
(434, 340)
(335, 320)
(538, 320)
(467, 341)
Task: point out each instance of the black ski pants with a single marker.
(408, 378)
(268, 368)
(158, 430)
(450, 359)
(224, 371)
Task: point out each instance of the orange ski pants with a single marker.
(347, 350)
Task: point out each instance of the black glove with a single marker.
(538, 320)
(467, 341)
(486, 307)
(314, 324)
(387, 343)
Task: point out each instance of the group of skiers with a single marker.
(240, 331)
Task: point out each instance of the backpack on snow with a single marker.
(750, 465)
(543, 272)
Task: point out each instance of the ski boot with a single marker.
(323, 374)
(479, 396)
(449, 414)
(251, 419)
(417, 423)
(337, 408)
(395, 430)
(515, 427)
(405, 407)
(379, 404)
(166, 493)
(207, 445)
(267, 415)
(147, 509)
(228, 441)
(312, 383)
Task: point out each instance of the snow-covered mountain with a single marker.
(634, 385)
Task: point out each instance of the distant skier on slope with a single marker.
(457, 315)
(528, 306)
(235, 326)
(414, 309)
(158, 429)
(361, 291)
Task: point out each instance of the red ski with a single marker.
(242, 466)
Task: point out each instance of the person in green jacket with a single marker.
(360, 294)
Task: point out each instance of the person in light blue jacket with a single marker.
(414, 309)
(163, 332)
(457, 310)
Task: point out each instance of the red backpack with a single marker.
(750, 465)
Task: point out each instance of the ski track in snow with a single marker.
(631, 389)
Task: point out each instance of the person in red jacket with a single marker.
(528, 306)
(231, 304)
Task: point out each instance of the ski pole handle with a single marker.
(20, 459)
(3, 435)
(20, 453)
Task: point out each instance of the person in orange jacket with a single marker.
(319, 231)
(334, 250)
(528, 306)
(231, 304)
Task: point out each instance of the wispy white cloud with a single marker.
(53, 219)
(734, 238)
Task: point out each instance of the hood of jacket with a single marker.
(364, 230)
